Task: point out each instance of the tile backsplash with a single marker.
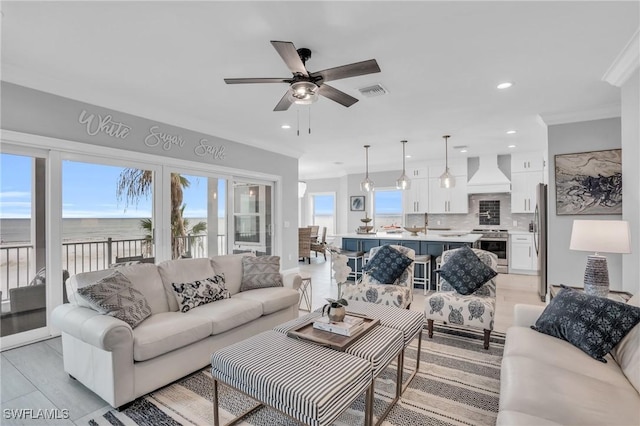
(472, 219)
(489, 212)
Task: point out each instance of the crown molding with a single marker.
(625, 64)
(605, 111)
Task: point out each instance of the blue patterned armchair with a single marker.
(368, 289)
(476, 310)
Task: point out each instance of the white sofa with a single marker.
(120, 364)
(546, 381)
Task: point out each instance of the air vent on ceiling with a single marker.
(375, 90)
(460, 147)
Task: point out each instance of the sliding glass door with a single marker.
(252, 227)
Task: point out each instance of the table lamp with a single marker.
(599, 236)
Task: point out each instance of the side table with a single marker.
(306, 292)
(617, 295)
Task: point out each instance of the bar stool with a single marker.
(306, 292)
(425, 279)
(356, 256)
(438, 265)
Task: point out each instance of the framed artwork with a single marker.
(589, 183)
(357, 203)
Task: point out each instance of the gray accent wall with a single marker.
(35, 112)
(630, 107)
(566, 266)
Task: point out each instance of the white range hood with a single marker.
(489, 178)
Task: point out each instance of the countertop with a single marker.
(468, 238)
(520, 233)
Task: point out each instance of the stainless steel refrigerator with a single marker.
(540, 237)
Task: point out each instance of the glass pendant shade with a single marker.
(403, 181)
(447, 180)
(367, 184)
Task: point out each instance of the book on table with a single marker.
(349, 326)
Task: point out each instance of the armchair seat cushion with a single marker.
(381, 294)
(454, 308)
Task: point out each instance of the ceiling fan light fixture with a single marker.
(367, 184)
(447, 180)
(403, 182)
(304, 92)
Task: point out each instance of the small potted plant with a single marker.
(335, 309)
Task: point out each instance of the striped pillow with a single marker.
(260, 272)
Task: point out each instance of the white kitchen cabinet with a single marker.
(416, 198)
(456, 168)
(523, 191)
(417, 172)
(451, 200)
(527, 162)
(522, 254)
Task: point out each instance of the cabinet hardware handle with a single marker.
(529, 251)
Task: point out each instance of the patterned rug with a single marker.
(458, 384)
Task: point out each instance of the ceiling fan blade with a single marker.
(256, 80)
(290, 56)
(351, 70)
(336, 95)
(284, 103)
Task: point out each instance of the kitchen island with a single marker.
(431, 243)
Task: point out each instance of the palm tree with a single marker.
(136, 183)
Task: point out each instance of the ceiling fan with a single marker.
(305, 86)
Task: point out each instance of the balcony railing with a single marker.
(17, 262)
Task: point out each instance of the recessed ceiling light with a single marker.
(511, 146)
(463, 150)
(504, 85)
(511, 132)
(285, 126)
(407, 156)
(338, 163)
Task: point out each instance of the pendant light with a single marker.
(367, 184)
(447, 180)
(403, 181)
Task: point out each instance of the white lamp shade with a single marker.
(601, 236)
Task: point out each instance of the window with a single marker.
(387, 208)
(323, 208)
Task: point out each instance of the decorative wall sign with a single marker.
(357, 203)
(589, 183)
(156, 137)
(216, 152)
(104, 125)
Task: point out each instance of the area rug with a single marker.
(458, 384)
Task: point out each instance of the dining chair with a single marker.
(320, 246)
(304, 244)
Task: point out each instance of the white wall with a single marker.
(630, 92)
(566, 266)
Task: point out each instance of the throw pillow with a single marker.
(200, 292)
(387, 265)
(465, 272)
(591, 323)
(114, 295)
(260, 272)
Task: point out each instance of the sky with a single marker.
(89, 190)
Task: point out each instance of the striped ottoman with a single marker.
(379, 346)
(305, 381)
(410, 323)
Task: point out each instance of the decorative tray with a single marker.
(329, 339)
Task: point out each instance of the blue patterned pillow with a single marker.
(591, 323)
(387, 265)
(465, 272)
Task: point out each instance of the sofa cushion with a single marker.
(523, 341)
(81, 280)
(200, 292)
(553, 393)
(387, 265)
(146, 279)
(228, 313)
(465, 272)
(260, 272)
(510, 418)
(627, 352)
(115, 296)
(231, 266)
(273, 299)
(182, 271)
(591, 323)
(164, 332)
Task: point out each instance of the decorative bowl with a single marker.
(366, 220)
(364, 229)
(414, 230)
